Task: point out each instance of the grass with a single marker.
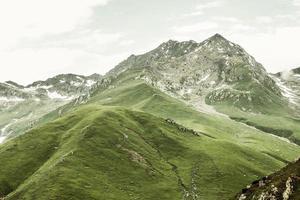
(283, 125)
(119, 146)
(115, 153)
(88, 151)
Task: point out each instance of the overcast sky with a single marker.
(42, 38)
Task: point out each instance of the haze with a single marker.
(42, 38)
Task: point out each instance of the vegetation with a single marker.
(118, 153)
(141, 132)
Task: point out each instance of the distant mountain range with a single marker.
(186, 120)
(22, 106)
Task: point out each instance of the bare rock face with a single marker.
(22, 106)
(213, 72)
(289, 84)
(282, 185)
(289, 189)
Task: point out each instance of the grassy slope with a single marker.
(86, 148)
(135, 94)
(115, 153)
(25, 114)
(284, 125)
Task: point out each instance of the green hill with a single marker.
(99, 151)
(141, 133)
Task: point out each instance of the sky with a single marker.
(43, 38)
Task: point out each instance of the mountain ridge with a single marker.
(178, 116)
(22, 106)
(211, 61)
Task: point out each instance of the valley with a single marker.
(186, 120)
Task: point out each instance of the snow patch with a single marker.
(189, 91)
(89, 83)
(4, 133)
(75, 83)
(78, 77)
(2, 138)
(55, 95)
(33, 88)
(286, 74)
(46, 87)
(13, 99)
(30, 89)
(204, 78)
(297, 75)
(286, 91)
(3, 130)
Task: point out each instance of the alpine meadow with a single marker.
(184, 120)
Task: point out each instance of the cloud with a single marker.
(39, 38)
(195, 27)
(277, 50)
(193, 14)
(201, 8)
(126, 42)
(289, 17)
(207, 5)
(34, 18)
(226, 19)
(296, 2)
(239, 28)
(28, 65)
(264, 19)
(84, 39)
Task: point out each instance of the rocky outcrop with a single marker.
(282, 185)
(215, 71)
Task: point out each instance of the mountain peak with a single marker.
(296, 70)
(218, 36)
(173, 43)
(173, 48)
(94, 76)
(219, 44)
(14, 84)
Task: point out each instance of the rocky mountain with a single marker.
(186, 120)
(215, 71)
(289, 83)
(21, 106)
(217, 77)
(11, 94)
(282, 185)
(132, 141)
(64, 86)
